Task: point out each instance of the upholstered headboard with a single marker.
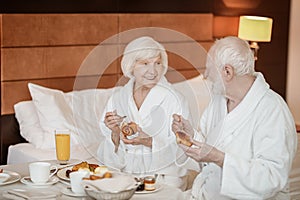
(48, 49)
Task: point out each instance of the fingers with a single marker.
(183, 147)
(176, 117)
(196, 143)
(111, 119)
(126, 141)
(176, 124)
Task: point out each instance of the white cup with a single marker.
(76, 181)
(40, 171)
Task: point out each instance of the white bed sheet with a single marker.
(27, 152)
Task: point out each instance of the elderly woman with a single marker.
(148, 100)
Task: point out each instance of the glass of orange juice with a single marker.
(62, 144)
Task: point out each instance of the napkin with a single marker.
(28, 194)
(117, 183)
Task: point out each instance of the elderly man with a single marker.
(248, 138)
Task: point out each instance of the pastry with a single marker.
(182, 138)
(129, 129)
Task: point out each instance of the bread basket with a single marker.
(104, 195)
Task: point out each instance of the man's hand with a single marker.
(181, 124)
(202, 152)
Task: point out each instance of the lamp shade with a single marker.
(253, 28)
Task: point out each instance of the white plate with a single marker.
(14, 177)
(61, 173)
(158, 187)
(67, 191)
(4, 177)
(27, 181)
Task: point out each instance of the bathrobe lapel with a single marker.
(237, 117)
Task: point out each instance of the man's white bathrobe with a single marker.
(155, 118)
(259, 140)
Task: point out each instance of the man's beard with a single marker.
(217, 87)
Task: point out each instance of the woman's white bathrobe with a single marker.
(155, 118)
(259, 140)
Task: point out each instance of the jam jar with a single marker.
(149, 183)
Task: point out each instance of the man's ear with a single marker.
(228, 72)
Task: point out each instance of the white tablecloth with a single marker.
(167, 192)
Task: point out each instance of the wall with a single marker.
(293, 92)
(272, 56)
(50, 49)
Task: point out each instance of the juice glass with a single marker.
(62, 143)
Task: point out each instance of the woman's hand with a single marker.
(113, 121)
(181, 124)
(142, 139)
(202, 152)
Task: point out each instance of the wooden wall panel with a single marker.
(46, 62)
(196, 26)
(13, 92)
(177, 76)
(54, 50)
(224, 26)
(57, 29)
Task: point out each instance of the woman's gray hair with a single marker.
(232, 51)
(139, 49)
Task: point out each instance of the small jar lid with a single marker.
(149, 178)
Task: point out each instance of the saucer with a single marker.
(158, 187)
(67, 191)
(4, 177)
(13, 177)
(27, 181)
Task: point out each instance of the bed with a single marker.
(79, 112)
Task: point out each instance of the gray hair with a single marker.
(232, 51)
(139, 49)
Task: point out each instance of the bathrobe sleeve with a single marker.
(106, 150)
(274, 146)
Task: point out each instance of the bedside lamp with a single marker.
(255, 29)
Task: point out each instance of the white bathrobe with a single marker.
(155, 118)
(259, 140)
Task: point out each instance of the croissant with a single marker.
(182, 138)
(129, 129)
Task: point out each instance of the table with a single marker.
(167, 192)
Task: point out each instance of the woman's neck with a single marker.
(139, 95)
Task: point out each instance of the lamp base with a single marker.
(254, 46)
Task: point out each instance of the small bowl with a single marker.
(103, 195)
(4, 177)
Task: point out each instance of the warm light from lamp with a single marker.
(253, 28)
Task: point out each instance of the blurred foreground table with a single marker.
(166, 192)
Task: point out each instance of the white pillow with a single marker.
(53, 112)
(87, 108)
(198, 96)
(28, 120)
(78, 111)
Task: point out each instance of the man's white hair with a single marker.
(232, 51)
(140, 49)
